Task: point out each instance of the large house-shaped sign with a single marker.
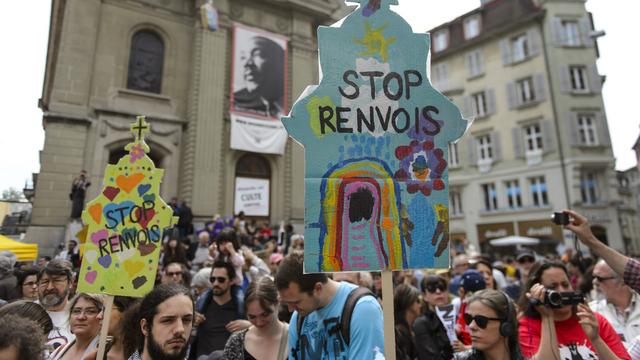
(376, 137)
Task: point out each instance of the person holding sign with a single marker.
(432, 339)
(84, 322)
(320, 301)
(491, 317)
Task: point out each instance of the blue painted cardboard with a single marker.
(376, 137)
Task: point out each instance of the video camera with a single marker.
(556, 300)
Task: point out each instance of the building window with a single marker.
(490, 197)
(440, 73)
(471, 27)
(525, 90)
(474, 63)
(587, 129)
(454, 157)
(479, 101)
(571, 32)
(485, 150)
(440, 40)
(589, 187)
(538, 187)
(520, 47)
(145, 62)
(513, 194)
(578, 78)
(533, 137)
(455, 203)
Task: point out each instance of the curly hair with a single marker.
(23, 334)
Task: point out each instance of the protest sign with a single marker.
(376, 137)
(125, 224)
(447, 315)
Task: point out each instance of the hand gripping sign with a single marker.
(376, 137)
(125, 224)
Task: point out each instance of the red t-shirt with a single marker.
(574, 344)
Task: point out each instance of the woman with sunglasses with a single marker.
(491, 317)
(84, 323)
(431, 339)
(267, 336)
(567, 331)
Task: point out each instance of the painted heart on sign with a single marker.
(98, 235)
(95, 211)
(105, 261)
(146, 249)
(91, 276)
(143, 220)
(143, 188)
(125, 254)
(91, 256)
(133, 267)
(110, 192)
(127, 183)
(149, 197)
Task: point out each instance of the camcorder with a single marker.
(560, 218)
(556, 300)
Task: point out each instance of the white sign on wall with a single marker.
(252, 196)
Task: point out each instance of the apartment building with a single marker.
(526, 71)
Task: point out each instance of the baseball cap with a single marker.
(472, 280)
(525, 253)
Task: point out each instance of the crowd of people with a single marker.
(235, 289)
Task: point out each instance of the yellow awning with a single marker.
(24, 252)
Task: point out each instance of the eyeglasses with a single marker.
(481, 320)
(432, 288)
(55, 282)
(92, 311)
(603, 278)
(220, 279)
(177, 273)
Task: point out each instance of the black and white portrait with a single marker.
(259, 83)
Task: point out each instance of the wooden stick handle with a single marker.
(104, 330)
(389, 321)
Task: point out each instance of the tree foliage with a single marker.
(11, 194)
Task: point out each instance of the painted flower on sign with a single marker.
(421, 167)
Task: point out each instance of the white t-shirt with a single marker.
(60, 335)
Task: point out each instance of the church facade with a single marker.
(171, 60)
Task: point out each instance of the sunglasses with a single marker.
(177, 273)
(603, 278)
(526, 260)
(481, 320)
(220, 279)
(433, 287)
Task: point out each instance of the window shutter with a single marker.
(469, 63)
(534, 42)
(603, 129)
(595, 81)
(540, 88)
(565, 79)
(495, 143)
(585, 31)
(518, 145)
(491, 101)
(471, 151)
(479, 62)
(547, 137)
(512, 97)
(467, 108)
(572, 126)
(505, 50)
(557, 31)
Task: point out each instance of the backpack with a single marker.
(343, 326)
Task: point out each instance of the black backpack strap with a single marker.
(345, 319)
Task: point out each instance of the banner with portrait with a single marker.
(258, 85)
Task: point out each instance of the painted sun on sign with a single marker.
(376, 137)
(125, 224)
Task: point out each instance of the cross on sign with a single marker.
(139, 128)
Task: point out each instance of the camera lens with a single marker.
(554, 299)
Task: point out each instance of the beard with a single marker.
(53, 299)
(156, 352)
(219, 291)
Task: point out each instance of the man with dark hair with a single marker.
(20, 338)
(165, 318)
(219, 313)
(54, 285)
(320, 301)
(263, 76)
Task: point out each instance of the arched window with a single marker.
(253, 165)
(145, 62)
(252, 195)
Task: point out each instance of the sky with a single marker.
(24, 44)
